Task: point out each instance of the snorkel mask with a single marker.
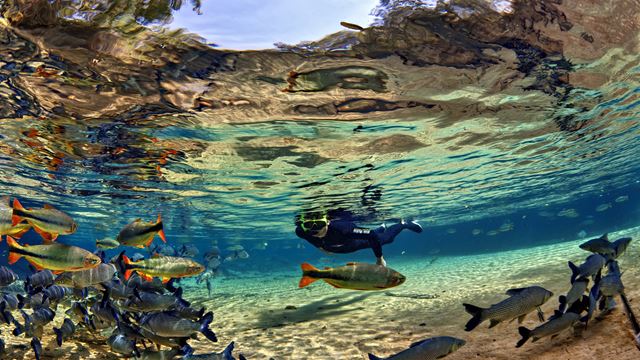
(313, 224)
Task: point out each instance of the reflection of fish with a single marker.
(140, 234)
(451, 231)
(622, 198)
(570, 213)
(508, 226)
(603, 207)
(107, 243)
(55, 257)
(48, 221)
(545, 213)
(432, 348)
(476, 232)
(165, 267)
(355, 276)
(6, 215)
(492, 233)
(519, 303)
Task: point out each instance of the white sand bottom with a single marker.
(331, 323)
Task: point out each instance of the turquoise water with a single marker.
(496, 125)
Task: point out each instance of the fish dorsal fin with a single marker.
(155, 255)
(417, 343)
(351, 264)
(327, 268)
(515, 291)
(47, 206)
(557, 313)
(605, 236)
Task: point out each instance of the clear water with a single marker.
(496, 125)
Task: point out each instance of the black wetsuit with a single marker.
(345, 237)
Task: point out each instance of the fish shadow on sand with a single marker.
(320, 309)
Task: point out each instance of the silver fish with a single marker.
(428, 349)
(551, 328)
(520, 303)
(578, 288)
(590, 267)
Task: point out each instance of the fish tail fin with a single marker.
(19, 329)
(21, 300)
(563, 303)
(241, 357)
(15, 219)
(19, 234)
(58, 336)
(525, 333)
(228, 351)
(476, 313)
(306, 278)
(161, 232)
(373, 357)
(13, 256)
(127, 267)
(37, 347)
(574, 271)
(204, 327)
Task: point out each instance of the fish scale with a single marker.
(517, 305)
(554, 326)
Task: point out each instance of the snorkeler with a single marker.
(344, 236)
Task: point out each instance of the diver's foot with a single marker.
(380, 261)
(412, 225)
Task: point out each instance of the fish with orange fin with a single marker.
(140, 234)
(354, 276)
(55, 257)
(165, 267)
(48, 221)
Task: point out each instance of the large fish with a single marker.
(89, 277)
(140, 234)
(165, 267)
(551, 328)
(355, 276)
(589, 267)
(520, 303)
(428, 349)
(48, 221)
(600, 245)
(578, 289)
(170, 324)
(54, 257)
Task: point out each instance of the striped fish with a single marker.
(55, 257)
(48, 221)
(165, 267)
(551, 328)
(140, 234)
(89, 277)
(521, 302)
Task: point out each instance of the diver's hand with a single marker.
(381, 261)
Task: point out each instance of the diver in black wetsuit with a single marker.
(344, 236)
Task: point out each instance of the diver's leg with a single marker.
(387, 234)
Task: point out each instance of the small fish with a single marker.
(189, 251)
(107, 243)
(165, 267)
(603, 207)
(520, 303)
(492, 233)
(7, 276)
(355, 276)
(226, 354)
(590, 267)
(54, 257)
(351, 26)
(140, 234)
(39, 279)
(121, 344)
(622, 198)
(432, 348)
(599, 245)
(570, 213)
(476, 232)
(65, 331)
(582, 234)
(48, 221)
(559, 323)
(171, 324)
